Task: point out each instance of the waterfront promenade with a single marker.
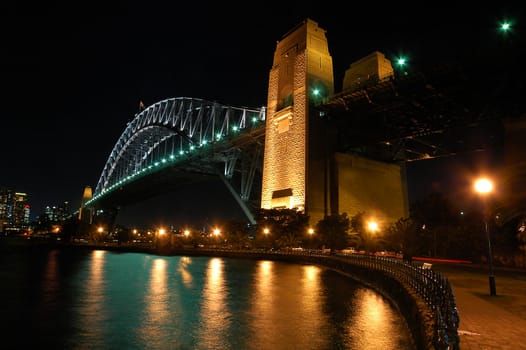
(488, 322)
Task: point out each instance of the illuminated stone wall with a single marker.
(367, 70)
(375, 188)
(86, 196)
(301, 63)
(300, 167)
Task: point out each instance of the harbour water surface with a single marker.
(75, 299)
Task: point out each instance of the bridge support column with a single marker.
(301, 76)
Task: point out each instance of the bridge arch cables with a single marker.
(188, 134)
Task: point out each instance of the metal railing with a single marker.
(434, 290)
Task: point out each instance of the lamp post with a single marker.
(483, 187)
(266, 232)
(373, 227)
(217, 234)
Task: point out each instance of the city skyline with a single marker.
(75, 79)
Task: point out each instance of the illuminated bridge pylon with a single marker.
(179, 141)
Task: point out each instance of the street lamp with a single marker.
(483, 187)
(373, 227)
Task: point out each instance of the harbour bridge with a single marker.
(180, 141)
(403, 117)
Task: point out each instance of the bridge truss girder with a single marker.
(437, 114)
(181, 140)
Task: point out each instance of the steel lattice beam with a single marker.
(438, 113)
(178, 136)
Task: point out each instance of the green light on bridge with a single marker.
(505, 26)
(401, 61)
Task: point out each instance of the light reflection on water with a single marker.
(156, 299)
(91, 304)
(287, 314)
(372, 324)
(184, 262)
(215, 315)
(105, 300)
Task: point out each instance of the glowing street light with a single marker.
(186, 233)
(217, 232)
(310, 231)
(266, 231)
(483, 187)
(373, 226)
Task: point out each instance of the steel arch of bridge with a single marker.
(189, 133)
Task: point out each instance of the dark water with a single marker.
(69, 299)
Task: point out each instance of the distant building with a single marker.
(14, 211)
(55, 214)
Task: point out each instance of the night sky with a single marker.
(73, 74)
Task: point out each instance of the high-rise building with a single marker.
(57, 213)
(5, 207)
(14, 210)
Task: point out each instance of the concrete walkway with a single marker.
(488, 322)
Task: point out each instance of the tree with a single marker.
(357, 234)
(333, 231)
(402, 236)
(437, 222)
(123, 234)
(237, 234)
(521, 239)
(288, 240)
(289, 226)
